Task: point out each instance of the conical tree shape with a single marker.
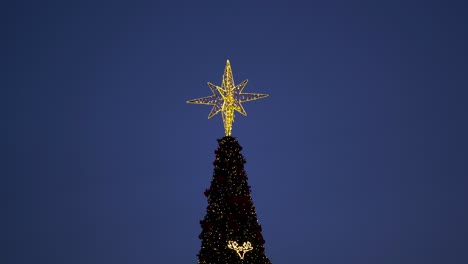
(230, 233)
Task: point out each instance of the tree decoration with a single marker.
(227, 98)
(241, 250)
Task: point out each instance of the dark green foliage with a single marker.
(230, 215)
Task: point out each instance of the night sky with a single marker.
(359, 154)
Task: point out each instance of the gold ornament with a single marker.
(241, 250)
(227, 98)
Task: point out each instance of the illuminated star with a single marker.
(227, 98)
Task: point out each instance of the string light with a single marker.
(227, 98)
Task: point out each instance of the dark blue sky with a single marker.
(359, 155)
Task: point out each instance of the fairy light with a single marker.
(227, 98)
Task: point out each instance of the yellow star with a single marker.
(227, 98)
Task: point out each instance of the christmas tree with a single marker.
(230, 233)
(230, 230)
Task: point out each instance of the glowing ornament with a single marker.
(241, 250)
(227, 98)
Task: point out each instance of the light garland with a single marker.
(241, 250)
